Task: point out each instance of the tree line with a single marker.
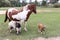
(16, 3)
(9, 3)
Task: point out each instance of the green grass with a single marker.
(50, 19)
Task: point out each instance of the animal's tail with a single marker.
(6, 16)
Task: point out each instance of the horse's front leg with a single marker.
(25, 23)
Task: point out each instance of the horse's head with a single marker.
(32, 7)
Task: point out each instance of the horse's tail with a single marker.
(6, 16)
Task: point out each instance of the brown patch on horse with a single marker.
(14, 12)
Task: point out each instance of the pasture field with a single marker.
(50, 19)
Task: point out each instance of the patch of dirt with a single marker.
(39, 38)
(2, 12)
(50, 38)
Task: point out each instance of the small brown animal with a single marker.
(41, 27)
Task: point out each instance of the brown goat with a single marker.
(41, 27)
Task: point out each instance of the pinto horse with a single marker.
(31, 7)
(13, 11)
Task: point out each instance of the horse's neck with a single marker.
(29, 13)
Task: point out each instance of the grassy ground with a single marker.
(50, 19)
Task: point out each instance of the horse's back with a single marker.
(13, 11)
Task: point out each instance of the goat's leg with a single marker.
(17, 31)
(10, 29)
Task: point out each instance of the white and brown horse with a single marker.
(31, 7)
(13, 11)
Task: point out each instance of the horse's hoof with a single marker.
(25, 30)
